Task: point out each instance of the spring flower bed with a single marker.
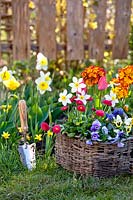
(97, 122)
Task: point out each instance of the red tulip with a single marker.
(45, 126)
(102, 83)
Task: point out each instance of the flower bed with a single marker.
(99, 159)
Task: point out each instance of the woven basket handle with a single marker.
(23, 117)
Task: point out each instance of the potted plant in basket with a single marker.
(97, 127)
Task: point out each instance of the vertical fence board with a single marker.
(21, 34)
(75, 44)
(97, 36)
(46, 28)
(122, 22)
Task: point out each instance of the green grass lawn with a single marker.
(51, 182)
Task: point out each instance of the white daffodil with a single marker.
(46, 77)
(42, 62)
(77, 85)
(112, 97)
(118, 121)
(5, 74)
(64, 98)
(42, 85)
(83, 97)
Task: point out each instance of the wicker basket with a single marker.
(100, 159)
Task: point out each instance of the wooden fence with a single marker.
(76, 39)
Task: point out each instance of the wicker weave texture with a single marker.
(99, 159)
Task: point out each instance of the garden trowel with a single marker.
(26, 150)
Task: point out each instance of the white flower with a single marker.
(83, 97)
(112, 97)
(5, 74)
(46, 77)
(64, 98)
(42, 62)
(42, 85)
(77, 85)
(128, 121)
(118, 121)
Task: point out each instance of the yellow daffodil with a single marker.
(5, 74)
(49, 133)
(11, 84)
(5, 135)
(38, 137)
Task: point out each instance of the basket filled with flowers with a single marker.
(96, 135)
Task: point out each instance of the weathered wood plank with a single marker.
(122, 26)
(97, 36)
(75, 44)
(46, 28)
(21, 33)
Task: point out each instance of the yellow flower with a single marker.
(38, 137)
(93, 25)
(49, 133)
(6, 108)
(20, 129)
(31, 5)
(11, 84)
(5, 135)
(28, 137)
(5, 74)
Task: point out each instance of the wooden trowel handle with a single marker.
(23, 115)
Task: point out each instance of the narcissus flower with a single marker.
(5, 135)
(112, 97)
(42, 85)
(11, 84)
(5, 74)
(83, 97)
(42, 62)
(65, 98)
(77, 85)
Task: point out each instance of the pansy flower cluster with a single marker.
(92, 110)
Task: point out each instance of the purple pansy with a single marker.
(95, 125)
(110, 116)
(118, 111)
(94, 136)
